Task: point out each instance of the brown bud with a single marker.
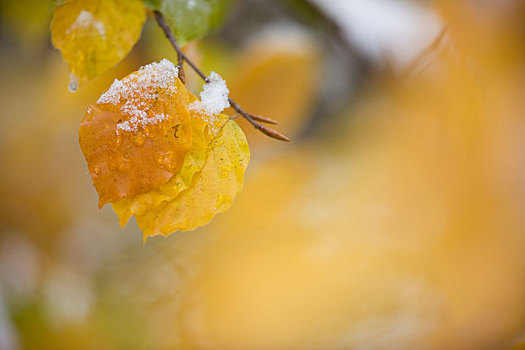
(273, 133)
(264, 119)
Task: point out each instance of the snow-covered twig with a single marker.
(251, 118)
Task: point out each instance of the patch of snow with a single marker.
(213, 97)
(137, 93)
(133, 123)
(86, 20)
(152, 76)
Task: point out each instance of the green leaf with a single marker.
(190, 19)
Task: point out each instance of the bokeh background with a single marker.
(396, 219)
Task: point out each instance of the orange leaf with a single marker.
(136, 137)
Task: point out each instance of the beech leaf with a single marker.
(153, 151)
(136, 137)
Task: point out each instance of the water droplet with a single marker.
(139, 139)
(73, 82)
(124, 164)
(162, 129)
(158, 158)
(165, 160)
(116, 141)
(89, 113)
(96, 170)
(220, 201)
(113, 163)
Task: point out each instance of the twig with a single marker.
(180, 66)
(264, 129)
(249, 117)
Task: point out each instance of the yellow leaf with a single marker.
(94, 35)
(137, 135)
(212, 190)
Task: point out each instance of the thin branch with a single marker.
(180, 66)
(264, 129)
(249, 117)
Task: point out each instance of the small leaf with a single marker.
(94, 35)
(137, 135)
(212, 190)
(190, 19)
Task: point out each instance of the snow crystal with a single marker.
(137, 93)
(133, 123)
(86, 20)
(214, 96)
(153, 76)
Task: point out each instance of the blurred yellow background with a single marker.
(395, 221)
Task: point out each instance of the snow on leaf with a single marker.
(137, 135)
(94, 35)
(212, 190)
(214, 96)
